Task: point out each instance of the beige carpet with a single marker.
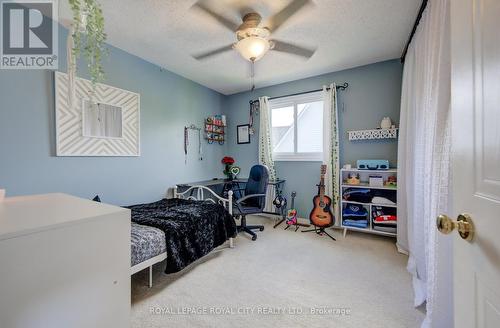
(284, 279)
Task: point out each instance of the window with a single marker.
(297, 127)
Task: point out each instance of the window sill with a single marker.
(299, 160)
(314, 157)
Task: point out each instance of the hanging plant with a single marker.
(89, 37)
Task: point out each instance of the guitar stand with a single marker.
(289, 225)
(297, 226)
(282, 214)
(279, 222)
(320, 232)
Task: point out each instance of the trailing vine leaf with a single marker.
(89, 37)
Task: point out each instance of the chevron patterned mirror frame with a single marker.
(70, 139)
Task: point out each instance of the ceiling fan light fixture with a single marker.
(252, 48)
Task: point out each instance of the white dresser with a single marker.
(64, 262)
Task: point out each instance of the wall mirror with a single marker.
(106, 124)
(101, 120)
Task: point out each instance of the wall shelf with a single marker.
(391, 170)
(373, 134)
(366, 185)
(215, 130)
(366, 204)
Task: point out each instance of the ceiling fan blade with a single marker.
(214, 52)
(293, 49)
(281, 17)
(232, 26)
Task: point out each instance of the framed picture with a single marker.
(243, 134)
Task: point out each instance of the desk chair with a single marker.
(253, 200)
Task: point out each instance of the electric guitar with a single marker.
(321, 215)
(291, 216)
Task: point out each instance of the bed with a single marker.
(180, 230)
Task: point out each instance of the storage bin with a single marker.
(376, 181)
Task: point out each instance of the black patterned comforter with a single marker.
(192, 228)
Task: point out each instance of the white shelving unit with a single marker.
(364, 175)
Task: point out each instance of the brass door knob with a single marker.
(463, 224)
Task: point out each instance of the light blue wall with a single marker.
(168, 102)
(28, 163)
(374, 92)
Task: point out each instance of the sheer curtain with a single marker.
(423, 161)
(266, 150)
(331, 144)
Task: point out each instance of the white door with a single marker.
(475, 35)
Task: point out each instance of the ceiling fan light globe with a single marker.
(252, 48)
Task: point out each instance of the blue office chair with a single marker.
(253, 199)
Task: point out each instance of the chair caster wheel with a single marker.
(254, 238)
(261, 229)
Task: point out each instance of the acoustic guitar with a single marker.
(321, 215)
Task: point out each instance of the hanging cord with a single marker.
(252, 72)
(186, 142)
(200, 149)
(71, 63)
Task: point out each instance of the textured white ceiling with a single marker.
(346, 34)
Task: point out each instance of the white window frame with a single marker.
(293, 101)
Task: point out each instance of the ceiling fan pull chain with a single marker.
(186, 143)
(253, 74)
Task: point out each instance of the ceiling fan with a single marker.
(254, 40)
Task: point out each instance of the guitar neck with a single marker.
(293, 200)
(322, 187)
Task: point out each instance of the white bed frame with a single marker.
(200, 196)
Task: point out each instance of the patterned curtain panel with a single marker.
(424, 173)
(266, 150)
(331, 146)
